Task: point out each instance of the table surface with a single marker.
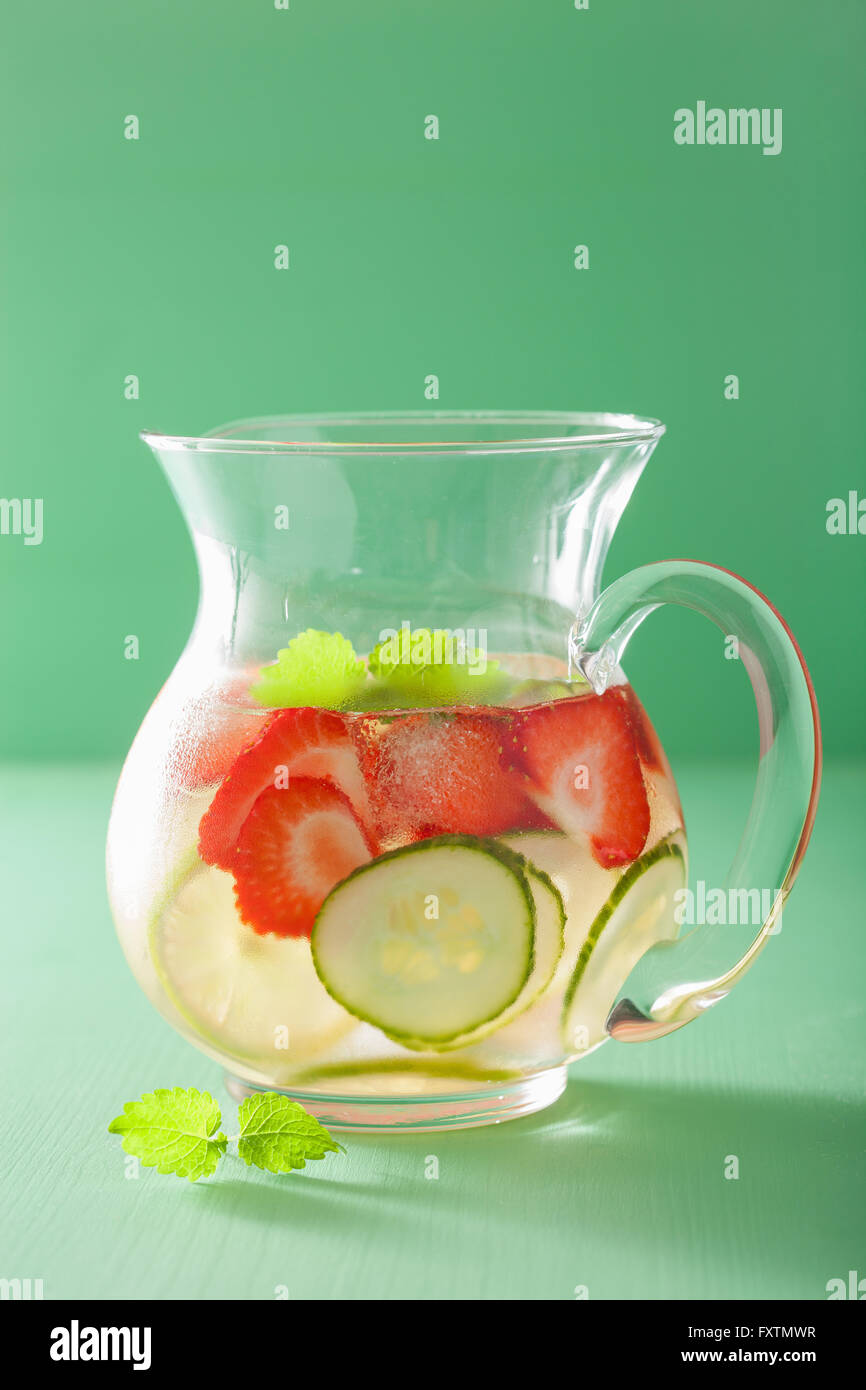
(619, 1188)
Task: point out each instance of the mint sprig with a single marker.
(279, 1135)
(178, 1131)
(173, 1131)
(316, 668)
(435, 667)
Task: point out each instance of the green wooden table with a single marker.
(620, 1188)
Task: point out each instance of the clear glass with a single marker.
(410, 896)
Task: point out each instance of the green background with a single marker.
(306, 127)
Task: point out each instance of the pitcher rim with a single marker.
(605, 427)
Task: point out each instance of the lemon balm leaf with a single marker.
(407, 654)
(277, 1134)
(316, 668)
(178, 1131)
(174, 1131)
(436, 666)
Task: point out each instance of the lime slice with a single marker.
(253, 997)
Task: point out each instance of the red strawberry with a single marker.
(581, 757)
(294, 846)
(295, 743)
(649, 745)
(433, 774)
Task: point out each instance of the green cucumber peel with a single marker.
(670, 848)
(511, 1012)
(509, 861)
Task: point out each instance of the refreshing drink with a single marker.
(408, 900)
(396, 836)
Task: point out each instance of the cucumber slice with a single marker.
(409, 1067)
(428, 942)
(235, 989)
(584, 885)
(549, 941)
(638, 914)
(551, 852)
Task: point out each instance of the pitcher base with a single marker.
(394, 1114)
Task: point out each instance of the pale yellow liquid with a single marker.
(255, 1002)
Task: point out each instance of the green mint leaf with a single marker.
(316, 668)
(173, 1131)
(277, 1134)
(435, 667)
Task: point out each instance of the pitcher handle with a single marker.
(786, 793)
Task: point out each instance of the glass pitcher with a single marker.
(397, 838)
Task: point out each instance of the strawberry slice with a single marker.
(434, 774)
(649, 745)
(581, 757)
(296, 843)
(295, 743)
